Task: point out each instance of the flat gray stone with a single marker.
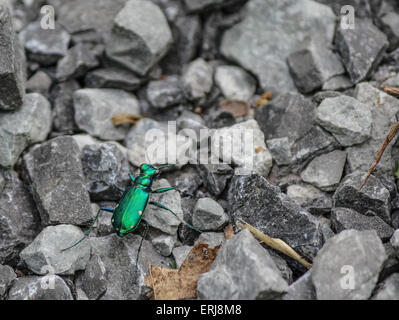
(7, 277)
(94, 109)
(212, 239)
(40, 82)
(301, 289)
(180, 254)
(94, 281)
(165, 93)
(303, 193)
(248, 42)
(280, 148)
(163, 242)
(114, 78)
(388, 289)
(209, 215)
(351, 253)
(140, 36)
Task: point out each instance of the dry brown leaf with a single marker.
(238, 108)
(277, 244)
(172, 284)
(228, 232)
(122, 118)
(259, 149)
(265, 98)
(390, 90)
(198, 110)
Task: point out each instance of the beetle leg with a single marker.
(141, 243)
(90, 228)
(160, 205)
(132, 177)
(161, 190)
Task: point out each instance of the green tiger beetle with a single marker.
(129, 211)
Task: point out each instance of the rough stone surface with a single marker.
(303, 193)
(29, 124)
(248, 42)
(225, 281)
(280, 148)
(388, 289)
(373, 197)
(212, 239)
(344, 218)
(262, 205)
(140, 36)
(235, 83)
(361, 48)
(325, 171)
(112, 77)
(209, 215)
(54, 172)
(165, 93)
(301, 289)
(11, 64)
(215, 176)
(19, 220)
(37, 288)
(45, 253)
(361, 250)
(195, 6)
(7, 277)
(94, 279)
(180, 254)
(346, 118)
(40, 82)
(94, 109)
(163, 242)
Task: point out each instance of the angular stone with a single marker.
(281, 265)
(319, 206)
(199, 6)
(180, 254)
(94, 278)
(226, 280)
(7, 277)
(215, 176)
(346, 118)
(388, 289)
(37, 288)
(351, 253)
(165, 93)
(288, 24)
(114, 78)
(44, 255)
(94, 109)
(40, 82)
(280, 148)
(301, 289)
(373, 197)
(198, 80)
(325, 171)
(19, 129)
(264, 206)
(119, 258)
(163, 242)
(54, 172)
(389, 23)
(361, 48)
(302, 193)
(235, 83)
(212, 239)
(77, 61)
(313, 65)
(186, 180)
(45, 46)
(340, 82)
(209, 215)
(140, 36)
(12, 76)
(19, 219)
(395, 241)
(344, 218)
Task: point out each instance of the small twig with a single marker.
(390, 90)
(275, 243)
(122, 118)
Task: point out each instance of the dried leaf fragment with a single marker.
(228, 232)
(265, 98)
(123, 118)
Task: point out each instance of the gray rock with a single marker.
(180, 254)
(113, 77)
(186, 180)
(226, 280)
(301, 289)
(361, 255)
(198, 6)
(321, 95)
(303, 193)
(140, 36)
(362, 8)
(40, 82)
(383, 108)
(325, 226)
(313, 65)
(63, 110)
(45, 46)
(361, 48)
(94, 109)
(106, 169)
(215, 176)
(51, 287)
(19, 129)
(392, 81)
(346, 118)
(163, 242)
(94, 281)
(212, 239)
(395, 241)
(344, 218)
(19, 219)
(280, 148)
(45, 253)
(77, 61)
(288, 115)
(209, 215)
(340, 82)
(288, 24)
(262, 205)
(165, 93)
(281, 265)
(11, 64)
(373, 197)
(388, 289)
(119, 258)
(159, 218)
(54, 172)
(198, 80)
(235, 83)
(325, 171)
(7, 277)
(389, 23)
